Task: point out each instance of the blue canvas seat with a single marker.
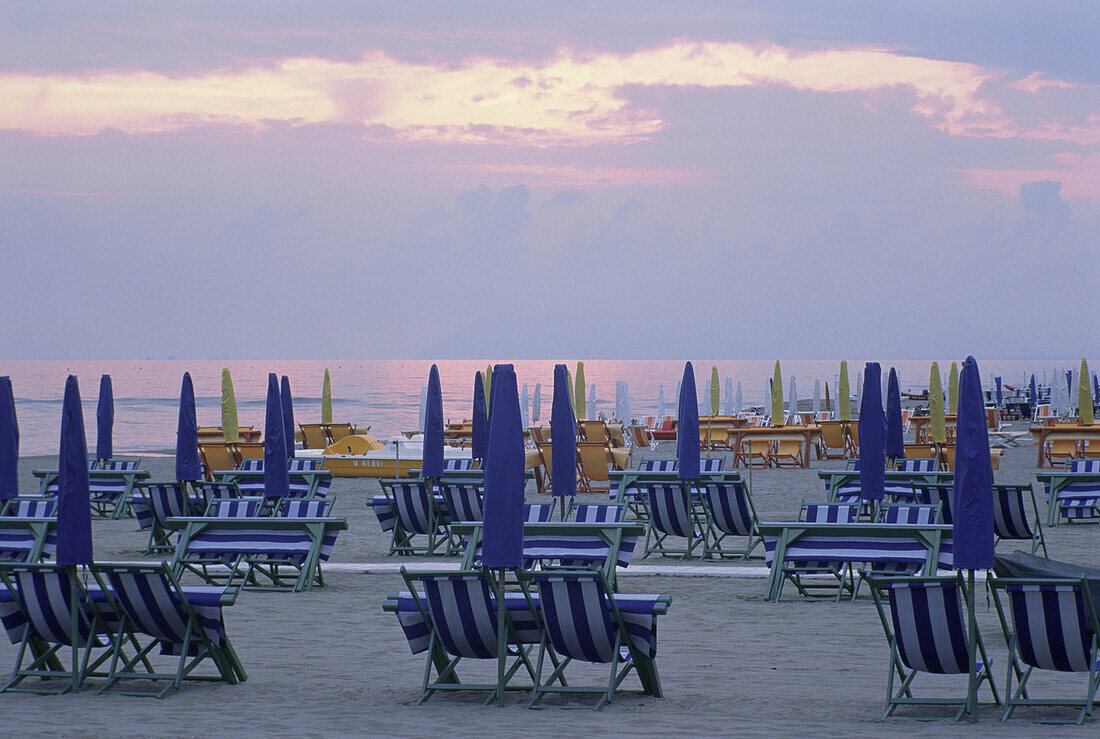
(31, 507)
(204, 493)
(730, 512)
(912, 514)
(1077, 500)
(939, 493)
(1014, 519)
(463, 500)
(1051, 625)
(163, 500)
(417, 514)
(598, 513)
(798, 566)
(251, 465)
(927, 632)
(234, 508)
(300, 464)
(537, 512)
(457, 464)
(671, 512)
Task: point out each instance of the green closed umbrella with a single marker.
(487, 380)
(844, 394)
(230, 428)
(572, 396)
(935, 405)
(578, 392)
(953, 390)
(326, 399)
(777, 396)
(714, 391)
(1084, 396)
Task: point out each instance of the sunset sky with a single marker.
(481, 179)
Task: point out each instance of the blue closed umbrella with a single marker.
(74, 513)
(105, 419)
(276, 474)
(872, 436)
(432, 464)
(895, 435)
(9, 442)
(1032, 392)
(687, 427)
(288, 415)
(1000, 393)
(481, 420)
(563, 437)
(502, 535)
(972, 529)
(188, 464)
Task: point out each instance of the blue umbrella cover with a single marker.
(276, 475)
(563, 437)
(1000, 393)
(74, 513)
(9, 442)
(973, 504)
(502, 532)
(288, 415)
(687, 427)
(105, 419)
(872, 436)
(432, 465)
(188, 464)
(895, 435)
(480, 421)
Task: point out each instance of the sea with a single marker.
(385, 394)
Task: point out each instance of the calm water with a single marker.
(386, 393)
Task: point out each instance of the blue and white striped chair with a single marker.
(463, 500)
(236, 508)
(251, 465)
(163, 500)
(299, 464)
(184, 623)
(37, 609)
(631, 495)
(941, 494)
(1012, 518)
(1052, 625)
(1076, 500)
(927, 632)
(796, 569)
(417, 513)
(671, 513)
(204, 493)
(598, 513)
(457, 464)
(537, 512)
(1090, 466)
(583, 621)
(912, 514)
(31, 507)
(730, 512)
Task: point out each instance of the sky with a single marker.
(531, 180)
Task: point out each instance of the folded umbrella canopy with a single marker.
(872, 437)
(572, 394)
(1000, 393)
(953, 390)
(843, 394)
(563, 437)
(687, 427)
(480, 421)
(105, 419)
(230, 426)
(792, 400)
(738, 400)
(74, 513)
(777, 396)
(432, 463)
(1032, 392)
(591, 407)
(895, 434)
(326, 399)
(276, 474)
(536, 404)
(727, 397)
(1084, 396)
(287, 402)
(935, 406)
(502, 532)
(9, 442)
(713, 388)
(817, 397)
(660, 403)
(524, 407)
(188, 464)
(578, 393)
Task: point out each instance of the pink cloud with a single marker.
(1079, 174)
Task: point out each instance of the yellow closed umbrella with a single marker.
(579, 393)
(953, 390)
(230, 428)
(569, 387)
(1084, 396)
(935, 405)
(844, 394)
(326, 399)
(487, 381)
(714, 391)
(777, 396)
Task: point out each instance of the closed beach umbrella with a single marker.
(423, 408)
(591, 407)
(1084, 396)
(953, 390)
(524, 407)
(792, 401)
(660, 403)
(326, 399)
(777, 396)
(188, 464)
(727, 399)
(972, 528)
(738, 400)
(9, 442)
(828, 405)
(626, 403)
(276, 474)
(572, 394)
(536, 404)
(502, 533)
(1033, 392)
(935, 406)
(619, 400)
(1000, 393)
(713, 391)
(843, 394)
(105, 419)
(74, 513)
(487, 378)
(895, 436)
(817, 397)
(687, 428)
(859, 392)
(478, 432)
(563, 437)
(432, 466)
(230, 426)
(287, 401)
(578, 393)
(872, 436)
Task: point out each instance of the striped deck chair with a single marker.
(598, 513)
(184, 623)
(796, 569)
(457, 464)
(1091, 466)
(1052, 626)
(251, 465)
(632, 496)
(463, 500)
(917, 514)
(671, 513)
(236, 508)
(459, 610)
(206, 493)
(299, 464)
(163, 500)
(30, 507)
(1076, 500)
(902, 490)
(46, 612)
(583, 621)
(110, 496)
(730, 512)
(537, 512)
(27, 539)
(417, 513)
(927, 632)
(936, 493)
(1011, 516)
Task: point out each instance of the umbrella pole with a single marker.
(972, 647)
(502, 640)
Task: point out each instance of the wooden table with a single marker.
(741, 437)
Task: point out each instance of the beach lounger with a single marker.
(417, 513)
(1073, 499)
(163, 500)
(26, 506)
(832, 443)
(250, 450)
(463, 500)
(207, 492)
(314, 435)
(927, 632)
(1051, 625)
(337, 431)
(217, 456)
(903, 513)
(251, 465)
(671, 513)
(298, 464)
(730, 512)
(786, 452)
(185, 624)
(937, 493)
(237, 508)
(583, 621)
(1014, 519)
(597, 512)
(593, 461)
(797, 568)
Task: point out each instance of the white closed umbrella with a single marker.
(738, 400)
(536, 406)
(524, 407)
(679, 383)
(423, 407)
(817, 397)
(794, 400)
(727, 397)
(592, 401)
(660, 405)
(859, 390)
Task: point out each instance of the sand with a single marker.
(331, 662)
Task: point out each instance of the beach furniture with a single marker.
(302, 483)
(186, 624)
(729, 512)
(462, 500)
(417, 514)
(593, 461)
(1014, 519)
(252, 464)
(537, 512)
(314, 435)
(217, 456)
(598, 512)
(1071, 496)
(162, 500)
(337, 431)
(796, 567)
(903, 513)
(28, 506)
(937, 493)
(250, 450)
(46, 613)
(641, 436)
(235, 508)
(111, 490)
(927, 632)
(583, 621)
(671, 512)
(1051, 624)
(831, 442)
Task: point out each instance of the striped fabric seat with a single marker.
(537, 512)
(31, 507)
(312, 509)
(1052, 625)
(941, 494)
(106, 493)
(901, 513)
(417, 514)
(647, 465)
(597, 513)
(205, 493)
(163, 500)
(730, 512)
(813, 555)
(1079, 500)
(251, 486)
(574, 551)
(251, 465)
(463, 501)
(238, 508)
(187, 624)
(583, 621)
(457, 464)
(671, 513)
(915, 465)
(1091, 466)
(298, 464)
(1011, 516)
(383, 510)
(927, 632)
(120, 465)
(25, 541)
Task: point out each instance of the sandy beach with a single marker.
(331, 662)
